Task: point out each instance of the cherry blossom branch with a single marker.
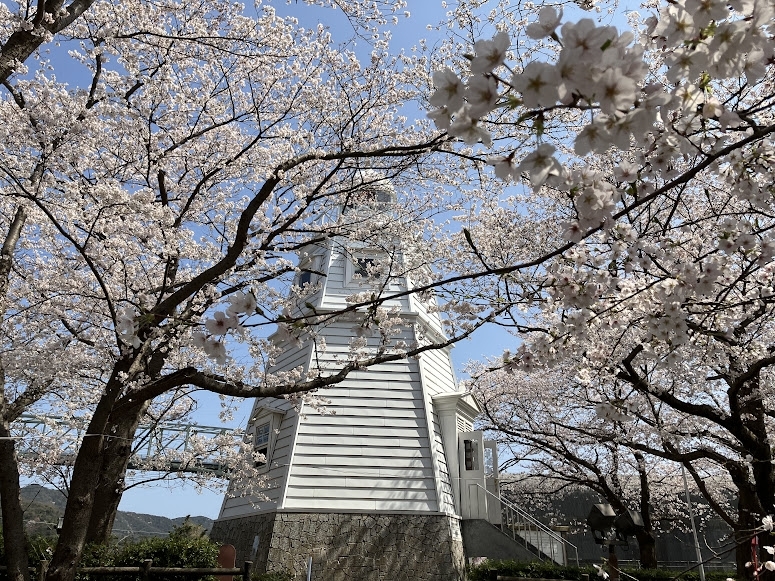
(22, 43)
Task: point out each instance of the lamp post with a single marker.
(694, 528)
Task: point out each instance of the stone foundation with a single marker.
(350, 546)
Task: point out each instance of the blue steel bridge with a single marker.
(163, 441)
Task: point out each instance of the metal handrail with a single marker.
(518, 519)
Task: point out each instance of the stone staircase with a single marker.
(508, 532)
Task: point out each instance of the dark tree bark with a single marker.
(647, 542)
(84, 482)
(14, 536)
(109, 490)
(22, 43)
(647, 549)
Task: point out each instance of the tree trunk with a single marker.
(117, 452)
(84, 481)
(748, 510)
(647, 542)
(755, 481)
(14, 536)
(647, 548)
(78, 510)
(743, 555)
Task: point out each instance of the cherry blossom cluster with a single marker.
(221, 323)
(651, 162)
(610, 77)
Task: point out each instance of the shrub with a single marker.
(186, 546)
(173, 551)
(489, 570)
(669, 574)
(535, 570)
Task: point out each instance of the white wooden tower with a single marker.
(370, 486)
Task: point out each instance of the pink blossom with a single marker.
(221, 323)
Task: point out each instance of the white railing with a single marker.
(535, 536)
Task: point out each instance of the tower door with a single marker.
(473, 496)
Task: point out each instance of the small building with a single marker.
(372, 485)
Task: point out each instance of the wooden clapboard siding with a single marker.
(354, 473)
(437, 372)
(374, 443)
(340, 284)
(292, 358)
(446, 497)
(438, 377)
(329, 439)
(276, 473)
(421, 307)
(374, 425)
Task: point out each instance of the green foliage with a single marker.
(489, 570)
(186, 546)
(99, 555)
(669, 574)
(534, 570)
(188, 530)
(40, 547)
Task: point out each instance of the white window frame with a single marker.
(264, 431)
(271, 419)
(311, 266)
(354, 256)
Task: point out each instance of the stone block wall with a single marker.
(242, 533)
(350, 546)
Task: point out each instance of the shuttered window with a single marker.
(261, 442)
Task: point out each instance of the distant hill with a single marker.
(43, 507)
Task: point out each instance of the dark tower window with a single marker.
(305, 277)
(362, 266)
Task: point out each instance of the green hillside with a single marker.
(43, 507)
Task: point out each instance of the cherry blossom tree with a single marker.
(156, 203)
(574, 435)
(643, 159)
(163, 199)
(562, 438)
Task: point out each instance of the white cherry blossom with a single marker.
(548, 20)
(490, 54)
(540, 165)
(450, 90)
(538, 83)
